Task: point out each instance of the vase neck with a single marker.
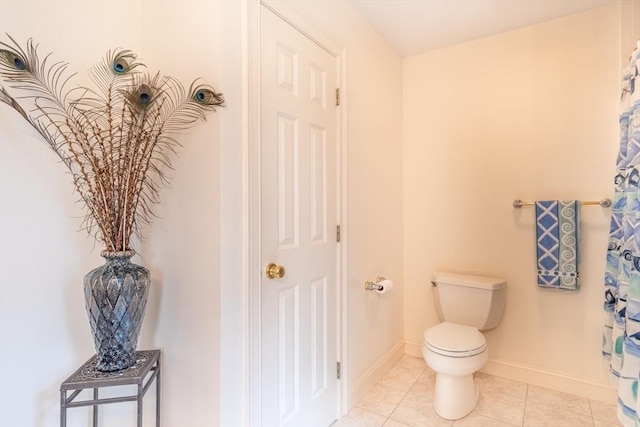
(117, 254)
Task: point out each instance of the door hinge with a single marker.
(339, 370)
(338, 233)
(337, 97)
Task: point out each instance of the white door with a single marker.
(298, 210)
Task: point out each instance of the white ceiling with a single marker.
(417, 26)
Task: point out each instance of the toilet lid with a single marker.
(454, 338)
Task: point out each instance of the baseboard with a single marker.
(539, 377)
(374, 374)
(551, 379)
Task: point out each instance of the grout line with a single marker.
(526, 399)
(399, 403)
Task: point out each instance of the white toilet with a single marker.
(455, 348)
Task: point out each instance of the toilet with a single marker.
(455, 349)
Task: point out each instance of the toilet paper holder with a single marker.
(374, 286)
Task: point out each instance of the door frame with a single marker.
(291, 14)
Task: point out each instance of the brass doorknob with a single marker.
(274, 271)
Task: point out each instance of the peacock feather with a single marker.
(116, 139)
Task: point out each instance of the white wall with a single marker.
(233, 385)
(183, 248)
(44, 330)
(629, 28)
(529, 114)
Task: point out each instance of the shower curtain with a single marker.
(621, 342)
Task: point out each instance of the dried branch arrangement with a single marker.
(115, 140)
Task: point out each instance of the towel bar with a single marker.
(605, 203)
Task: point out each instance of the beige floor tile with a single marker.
(381, 400)
(401, 378)
(503, 403)
(558, 399)
(492, 384)
(476, 420)
(600, 423)
(411, 362)
(604, 412)
(394, 423)
(425, 385)
(502, 407)
(358, 417)
(541, 415)
(417, 412)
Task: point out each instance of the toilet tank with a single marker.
(469, 300)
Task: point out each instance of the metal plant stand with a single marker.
(141, 374)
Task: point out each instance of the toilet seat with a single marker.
(453, 340)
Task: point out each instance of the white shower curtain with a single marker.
(621, 342)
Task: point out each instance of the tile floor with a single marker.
(402, 398)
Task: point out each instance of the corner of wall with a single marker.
(372, 375)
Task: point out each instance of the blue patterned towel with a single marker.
(557, 236)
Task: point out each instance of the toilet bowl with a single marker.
(455, 352)
(455, 349)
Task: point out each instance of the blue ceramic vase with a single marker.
(116, 296)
